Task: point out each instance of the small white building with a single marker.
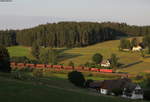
(137, 48)
(133, 91)
(105, 63)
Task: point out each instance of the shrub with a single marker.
(38, 73)
(21, 59)
(76, 78)
(125, 44)
(20, 75)
(27, 69)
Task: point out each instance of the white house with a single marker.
(133, 91)
(105, 63)
(137, 48)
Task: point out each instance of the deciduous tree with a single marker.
(97, 58)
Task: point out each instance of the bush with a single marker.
(26, 69)
(38, 73)
(76, 78)
(22, 59)
(20, 75)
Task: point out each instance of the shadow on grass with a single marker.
(146, 56)
(131, 64)
(64, 56)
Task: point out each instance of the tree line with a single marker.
(8, 37)
(70, 34)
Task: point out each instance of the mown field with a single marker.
(132, 61)
(22, 91)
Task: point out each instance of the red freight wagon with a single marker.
(13, 64)
(30, 65)
(40, 65)
(20, 65)
(58, 69)
(95, 69)
(57, 66)
(68, 67)
(49, 66)
(86, 69)
(106, 70)
(79, 68)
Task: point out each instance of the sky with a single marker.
(20, 14)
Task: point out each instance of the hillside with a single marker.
(132, 62)
(16, 91)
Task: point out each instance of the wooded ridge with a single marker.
(70, 34)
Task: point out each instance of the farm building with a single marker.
(127, 88)
(105, 63)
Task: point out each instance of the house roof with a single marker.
(113, 84)
(96, 84)
(105, 62)
(130, 86)
(118, 83)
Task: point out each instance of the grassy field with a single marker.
(86, 76)
(132, 61)
(21, 91)
(20, 51)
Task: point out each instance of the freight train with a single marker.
(60, 67)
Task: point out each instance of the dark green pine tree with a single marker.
(4, 60)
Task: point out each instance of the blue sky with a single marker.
(27, 13)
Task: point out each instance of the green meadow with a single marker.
(132, 61)
(55, 90)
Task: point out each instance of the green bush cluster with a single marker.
(38, 73)
(26, 69)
